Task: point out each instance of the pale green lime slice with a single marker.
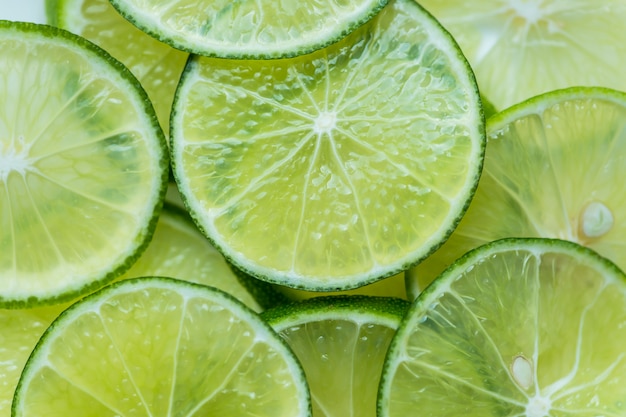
(553, 168)
(157, 346)
(335, 169)
(341, 342)
(517, 328)
(83, 166)
(523, 48)
(155, 64)
(248, 29)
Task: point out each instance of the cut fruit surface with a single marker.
(156, 65)
(523, 48)
(332, 170)
(518, 327)
(83, 166)
(341, 342)
(154, 346)
(550, 171)
(248, 29)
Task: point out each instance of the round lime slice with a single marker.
(83, 165)
(520, 327)
(335, 169)
(248, 29)
(341, 342)
(153, 346)
(552, 169)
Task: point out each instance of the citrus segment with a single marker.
(156, 65)
(248, 29)
(519, 327)
(150, 346)
(550, 170)
(83, 165)
(341, 342)
(334, 169)
(523, 48)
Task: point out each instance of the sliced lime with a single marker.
(341, 342)
(523, 48)
(552, 169)
(83, 165)
(519, 327)
(156, 65)
(338, 168)
(157, 346)
(248, 29)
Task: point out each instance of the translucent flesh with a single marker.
(545, 164)
(521, 48)
(342, 353)
(519, 332)
(248, 28)
(161, 349)
(81, 167)
(336, 168)
(157, 65)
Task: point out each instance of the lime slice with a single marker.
(341, 342)
(335, 169)
(550, 171)
(519, 327)
(83, 165)
(156, 346)
(389, 287)
(156, 65)
(248, 29)
(523, 48)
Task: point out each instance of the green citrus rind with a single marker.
(248, 30)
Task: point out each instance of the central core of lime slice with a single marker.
(325, 122)
(14, 157)
(530, 11)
